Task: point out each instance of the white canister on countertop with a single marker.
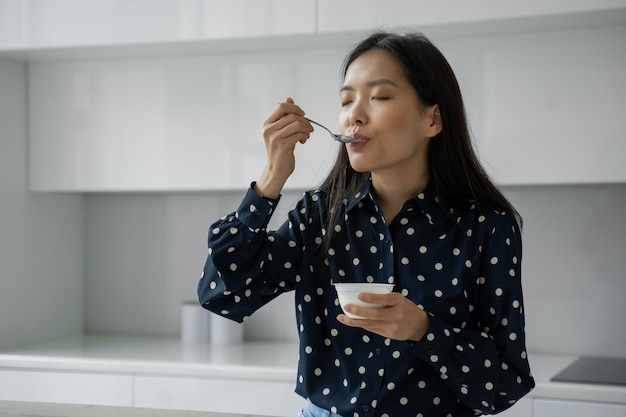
(195, 323)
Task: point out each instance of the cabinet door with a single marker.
(66, 387)
(368, 14)
(554, 408)
(67, 23)
(174, 124)
(218, 395)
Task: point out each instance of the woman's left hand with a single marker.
(399, 319)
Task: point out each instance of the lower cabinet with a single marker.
(218, 395)
(270, 398)
(66, 387)
(556, 408)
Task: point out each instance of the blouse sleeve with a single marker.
(487, 367)
(246, 266)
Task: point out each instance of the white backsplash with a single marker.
(145, 254)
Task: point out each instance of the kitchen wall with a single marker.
(123, 262)
(145, 254)
(41, 236)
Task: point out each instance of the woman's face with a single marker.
(380, 107)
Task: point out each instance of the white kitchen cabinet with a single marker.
(33, 25)
(460, 17)
(530, 100)
(218, 395)
(173, 123)
(558, 408)
(66, 387)
(179, 106)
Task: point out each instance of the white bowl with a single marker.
(348, 292)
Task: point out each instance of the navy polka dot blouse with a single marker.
(461, 266)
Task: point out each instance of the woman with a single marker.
(410, 205)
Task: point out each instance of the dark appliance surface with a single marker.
(594, 370)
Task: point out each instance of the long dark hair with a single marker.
(455, 171)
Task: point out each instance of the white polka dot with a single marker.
(391, 386)
(438, 266)
(233, 267)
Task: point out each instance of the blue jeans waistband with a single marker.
(311, 410)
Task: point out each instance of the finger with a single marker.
(366, 312)
(384, 299)
(282, 109)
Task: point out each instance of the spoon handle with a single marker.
(322, 126)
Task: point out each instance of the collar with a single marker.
(427, 201)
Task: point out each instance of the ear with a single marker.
(434, 116)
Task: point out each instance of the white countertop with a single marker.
(28, 409)
(158, 356)
(256, 361)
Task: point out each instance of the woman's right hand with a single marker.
(282, 130)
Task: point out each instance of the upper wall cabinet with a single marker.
(163, 95)
(459, 18)
(36, 24)
(184, 123)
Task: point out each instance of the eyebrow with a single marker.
(373, 83)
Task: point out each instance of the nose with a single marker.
(357, 114)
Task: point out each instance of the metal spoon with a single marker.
(337, 137)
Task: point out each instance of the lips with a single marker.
(363, 140)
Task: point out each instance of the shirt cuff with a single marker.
(435, 345)
(255, 211)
